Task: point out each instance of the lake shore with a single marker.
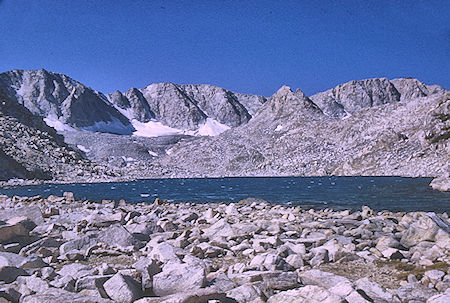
(59, 249)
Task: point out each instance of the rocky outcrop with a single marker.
(55, 250)
(62, 100)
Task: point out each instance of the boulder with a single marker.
(11, 233)
(441, 298)
(31, 212)
(223, 228)
(147, 268)
(178, 277)
(321, 278)
(250, 292)
(355, 297)
(280, 280)
(415, 292)
(122, 289)
(118, 236)
(386, 242)
(424, 229)
(9, 293)
(10, 259)
(441, 183)
(307, 294)
(81, 244)
(197, 296)
(75, 270)
(53, 295)
(374, 291)
(98, 220)
(9, 273)
(164, 253)
(142, 231)
(34, 284)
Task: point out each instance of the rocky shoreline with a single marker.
(62, 250)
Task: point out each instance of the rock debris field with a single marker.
(62, 250)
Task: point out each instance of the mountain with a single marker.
(352, 96)
(158, 109)
(293, 135)
(189, 108)
(29, 149)
(365, 127)
(63, 102)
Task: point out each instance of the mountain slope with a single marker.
(30, 149)
(290, 135)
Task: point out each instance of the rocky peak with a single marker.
(352, 96)
(285, 103)
(410, 88)
(186, 107)
(132, 105)
(218, 103)
(173, 107)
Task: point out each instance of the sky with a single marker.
(246, 46)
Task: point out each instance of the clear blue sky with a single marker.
(246, 46)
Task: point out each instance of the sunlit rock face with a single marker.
(63, 102)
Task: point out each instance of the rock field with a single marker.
(59, 249)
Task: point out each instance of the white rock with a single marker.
(375, 291)
(307, 294)
(122, 289)
(178, 277)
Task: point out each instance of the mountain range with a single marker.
(366, 127)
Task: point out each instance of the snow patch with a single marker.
(58, 125)
(211, 127)
(153, 129)
(83, 148)
(279, 128)
(115, 126)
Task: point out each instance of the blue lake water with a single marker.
(390, 193)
